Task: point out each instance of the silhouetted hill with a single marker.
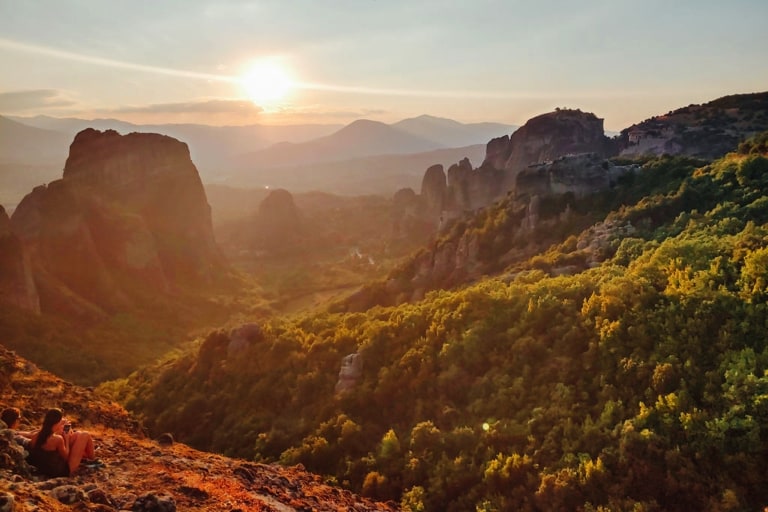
(451, 133)
(211, 147)
(358, 139)
(22, 144)
(242, 156)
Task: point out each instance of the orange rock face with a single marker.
(129, 216)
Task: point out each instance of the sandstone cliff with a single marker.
(128, 216)
(553, 159)
(562, 135)
(704, 131)
(17, 286)
(277, 226)
(578, 175)
(546, 137)
(139, 473)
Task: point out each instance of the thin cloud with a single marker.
(340, 88)
(15, 101)
(468, 94)
(196, 107)
(110, 63)
(317, 111)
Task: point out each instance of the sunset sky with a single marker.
(334, 61)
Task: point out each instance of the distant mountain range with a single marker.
(367, 138)
(209, 145)
(21, 142)
(34, 150)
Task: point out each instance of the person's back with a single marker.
(47, 462)
(54, 450)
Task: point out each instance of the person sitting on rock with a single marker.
(12, 418)
(56, 451)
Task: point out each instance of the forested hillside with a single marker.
(640, 383)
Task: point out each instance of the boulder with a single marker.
(6, 502)
(154, 503)
(350, 372)
(243, 337)
(69, 494)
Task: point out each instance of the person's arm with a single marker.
(62, 445)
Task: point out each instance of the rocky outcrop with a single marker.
(599, 241)
(433, 190)
(470, 189)
(129, 215)
(406, 213)
(350, 373)
(706, 131)
(278, 225)
(513, 165)
(497, 152)
(138, 473)
(547, 137)
(17, 287)
(243, 337)
(579, 175)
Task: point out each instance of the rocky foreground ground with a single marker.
(141, 474)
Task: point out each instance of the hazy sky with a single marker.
(478, 60)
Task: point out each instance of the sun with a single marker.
(266, 82)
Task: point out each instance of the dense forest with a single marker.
(638, 384)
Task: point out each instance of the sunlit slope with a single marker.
(639, 384)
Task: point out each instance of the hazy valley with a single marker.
(433, 315)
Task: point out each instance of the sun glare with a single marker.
(266, 82)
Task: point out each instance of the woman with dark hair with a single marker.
(55, 450)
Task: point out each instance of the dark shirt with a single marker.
(48, 462)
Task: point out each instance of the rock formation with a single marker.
(129, 215)
(558, 154)
(554, 158)
(350, 373)
(406, 212)
(433, 190)
(544, 138)
(138, 473)
(240, 338)
(705, 131)
(17, 287)
(278, 225)
(470, 189)
(579, 175)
